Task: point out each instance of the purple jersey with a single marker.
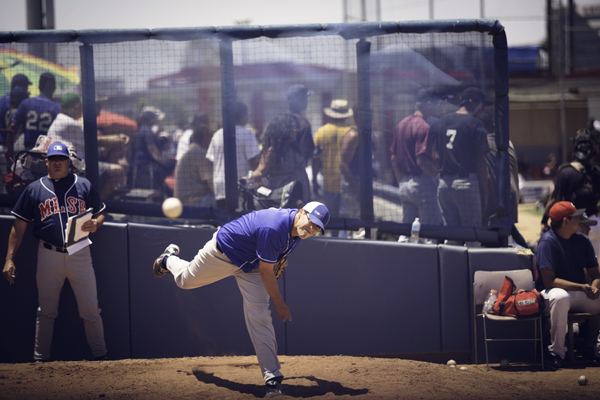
(264, 235)
(36, 115)
(50, 202)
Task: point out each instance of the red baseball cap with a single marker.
(564, 209)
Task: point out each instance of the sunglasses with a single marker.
(58, 158)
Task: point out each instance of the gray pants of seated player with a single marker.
(558, 304)
(210, 265)
(52, 270)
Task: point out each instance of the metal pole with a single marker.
(229, 140)
(363, 10)
(363, 72)
(561, 81)
(90, 129)
(431, 9)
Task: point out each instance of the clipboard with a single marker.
(77, 239)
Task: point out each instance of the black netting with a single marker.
(315, 117)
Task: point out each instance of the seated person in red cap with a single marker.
(563, 256)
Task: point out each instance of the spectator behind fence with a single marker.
(297, 98)
(35, 115)
(194, 172)
(280, 161)
(18, 81)
(198, 123)
(67, 128)
(350, 169)
(579, 181)
(563, 254)
(115, 132)
(327, 161)
(16, 97)
(147, 162)
(413, 161)
(461, 142)
(247, 150)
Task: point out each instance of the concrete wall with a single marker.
(346, 297)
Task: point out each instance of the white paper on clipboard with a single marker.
(77, 239)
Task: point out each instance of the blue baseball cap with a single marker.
(57, 149)
(317, 213)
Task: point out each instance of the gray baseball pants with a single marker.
(209, 266)
(52, 270)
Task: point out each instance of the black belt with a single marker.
(50, 247)
(219, 248)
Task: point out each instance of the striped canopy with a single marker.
(14, 62)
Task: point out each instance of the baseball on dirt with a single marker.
(582, 380)
(172, 207)
(451, 363)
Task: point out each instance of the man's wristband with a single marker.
(545, 219)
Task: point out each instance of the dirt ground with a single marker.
(314, 377)
(311, 377)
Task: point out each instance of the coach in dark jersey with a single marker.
(248, 249)
(461, 142)
(36, 114)
(48, 203)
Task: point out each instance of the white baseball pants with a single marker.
(558, 304)
(210, 265)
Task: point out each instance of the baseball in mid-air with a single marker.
(583, 380)
(172, 207)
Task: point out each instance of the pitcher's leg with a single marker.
(259, 323)
(208, 266)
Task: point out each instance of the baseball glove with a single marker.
(279, 267)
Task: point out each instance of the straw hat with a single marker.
(339, 109)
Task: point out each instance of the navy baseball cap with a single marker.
(20, 80)
(57, 149)
(297, 89)
(477, 94)
(317, 213)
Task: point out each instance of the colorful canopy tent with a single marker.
(14, 62)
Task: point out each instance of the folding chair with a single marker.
(483, 282)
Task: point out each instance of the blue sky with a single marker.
(523, 19)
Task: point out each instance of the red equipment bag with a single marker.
(518, 304)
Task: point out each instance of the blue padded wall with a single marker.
(363, 297)
(455, 299)
(109, 254)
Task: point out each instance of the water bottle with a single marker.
(489, 302)
(414, 232)
(250, 180)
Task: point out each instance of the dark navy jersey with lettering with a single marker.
(263, 235)
(36, 115)
(566, 257)
(459, 137)
(50, 202)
